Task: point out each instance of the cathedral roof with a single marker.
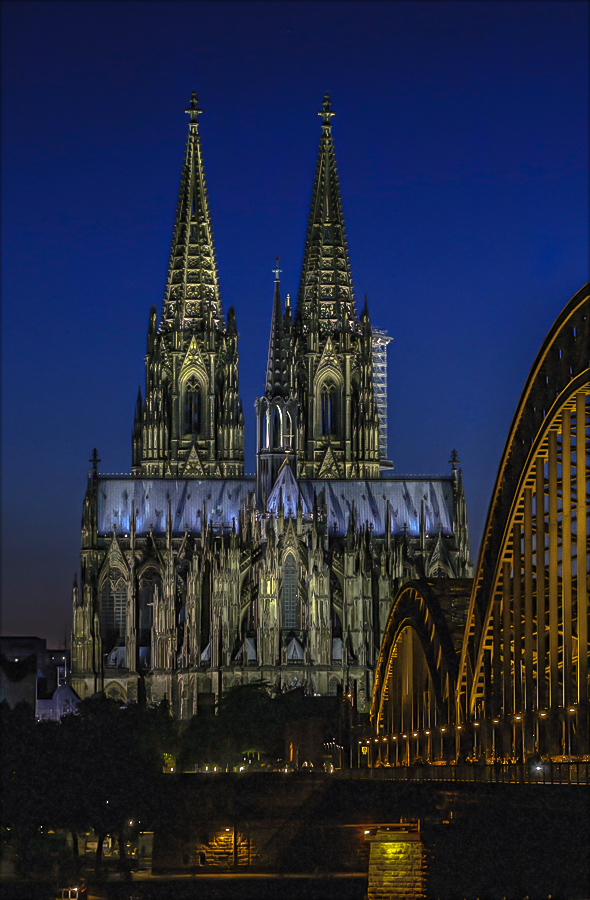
(222, 499)
(326, 280)
(192, 285)
(400, 498)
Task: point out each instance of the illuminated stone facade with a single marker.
(197, 577)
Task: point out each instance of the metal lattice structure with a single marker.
(522, 663)
(380, 340)
(413, 706)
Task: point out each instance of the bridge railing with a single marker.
(577, 773)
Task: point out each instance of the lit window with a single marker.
(290, 604)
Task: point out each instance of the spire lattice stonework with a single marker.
(275, 375)
(192, 286)
(326, 280)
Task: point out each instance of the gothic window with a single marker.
(290, 600)
(149, 583)
(113, 611)
(288, 431)
(328, 409)
(192, 407)
(276, 428)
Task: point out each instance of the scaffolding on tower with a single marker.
(380, 340)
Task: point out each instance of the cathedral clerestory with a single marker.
(196, 577)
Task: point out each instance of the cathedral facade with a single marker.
(196, 577)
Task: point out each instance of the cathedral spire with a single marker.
(191, 297)
(325, 277)
(274, 366)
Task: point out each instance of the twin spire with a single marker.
(325, 290)
(192, 299)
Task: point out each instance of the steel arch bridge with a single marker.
(522, 674)
(413, 704)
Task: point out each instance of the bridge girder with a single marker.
(418, 662)
(524, 660)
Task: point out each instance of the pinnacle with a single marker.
(274, 368)
(192, 286)
(326, 279)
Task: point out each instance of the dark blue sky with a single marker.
(461, 134)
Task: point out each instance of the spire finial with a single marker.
(276, 270)
(454, 460)
(326, 111)
(95, 461)
(193, 111)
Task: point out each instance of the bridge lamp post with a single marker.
(457, 743)
(428, 746)
(520, 719)
(542, 714)
(442, 743)
(475, 727)
(571, 712)
(494, 723)
(405, 736)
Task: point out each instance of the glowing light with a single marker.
(367, 831)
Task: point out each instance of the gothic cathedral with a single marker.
(196, 577)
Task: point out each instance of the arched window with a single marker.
(192, 407)
(113, 611)
(290, 601)
(288, 431)
(276, 428)
(328, 409)
(149, 583)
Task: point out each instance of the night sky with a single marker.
(461, 134)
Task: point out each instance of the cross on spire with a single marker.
(193, 111)
(454, 460)
(326, 111)
(95, 461)
(276, 270)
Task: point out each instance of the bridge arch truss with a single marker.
(523, 672)
(413, 706)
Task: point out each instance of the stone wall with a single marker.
(396, 864)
